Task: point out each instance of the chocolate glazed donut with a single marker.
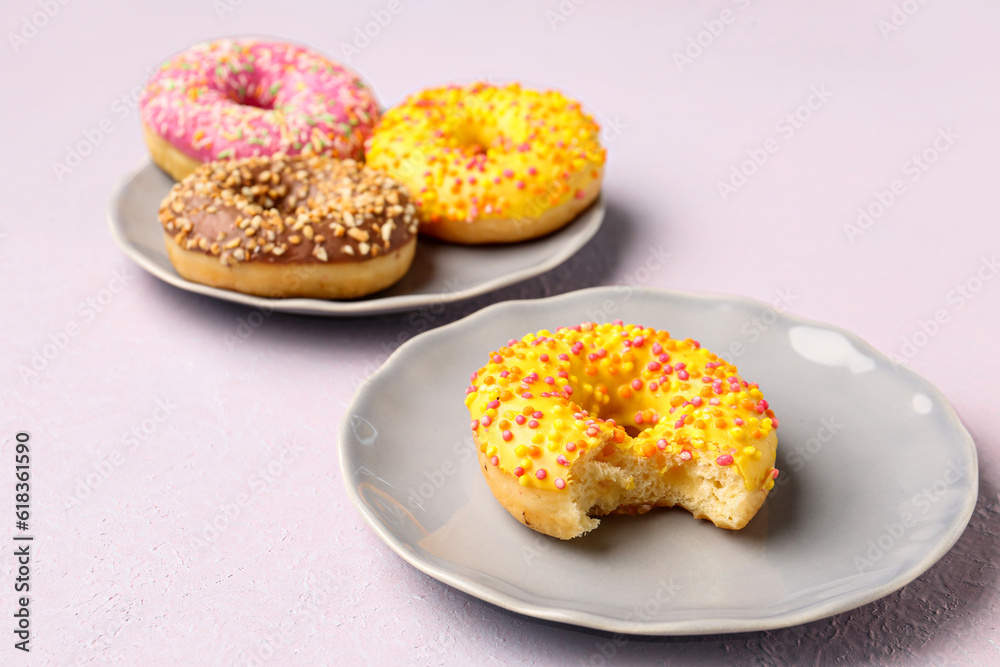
(290, 227)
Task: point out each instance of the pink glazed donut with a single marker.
(237, 98)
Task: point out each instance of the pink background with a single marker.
(125, 567)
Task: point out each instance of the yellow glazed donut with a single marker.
(284, 226)
(491, 164)
(611, 418)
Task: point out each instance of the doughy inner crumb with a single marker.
(609, 480)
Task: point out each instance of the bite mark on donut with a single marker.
(699, 436)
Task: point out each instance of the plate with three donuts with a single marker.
(278, 182)
(833, 476)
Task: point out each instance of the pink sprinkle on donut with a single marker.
(541, 473)
(486, 421)
(495, 461)
(661, 444)
(520, 420)
(235, 98)
(494, 404)
(682, 375)
(543, 357)
(637, 384)
(507, 436)
(497, 359)
(679, 423)
(560, 483)
(570, 446)
(653, 366)
(533, 424)
(774, 473)
(518, 471)
(537, 414)
(685, 455)
(725, 460)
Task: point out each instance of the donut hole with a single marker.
(254, 103)
(471, 140)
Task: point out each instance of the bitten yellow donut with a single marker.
(612, 418)
(491, 164)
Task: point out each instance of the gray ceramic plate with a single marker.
(879, 478)
(441, 272)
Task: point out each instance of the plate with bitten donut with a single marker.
(608, 424)
(440, 273)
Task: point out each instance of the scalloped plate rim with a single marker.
(357, 308)
(721, 624)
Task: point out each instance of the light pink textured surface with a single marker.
(241, 431)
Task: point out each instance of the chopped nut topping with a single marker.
(271, 207)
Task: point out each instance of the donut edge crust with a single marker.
(168, 157)
(336, 280)
(512, 230)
